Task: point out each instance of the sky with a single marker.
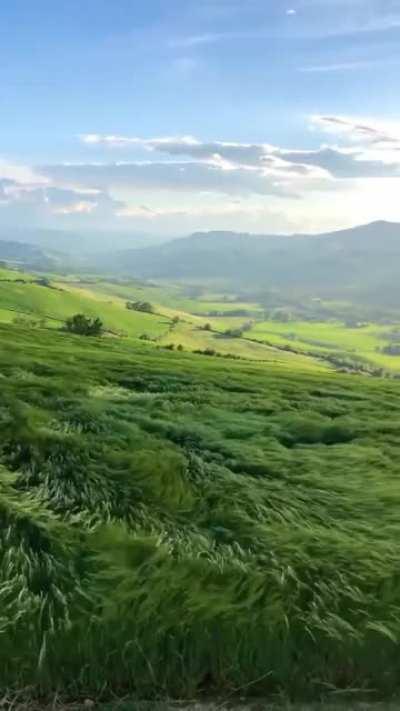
(172, 116)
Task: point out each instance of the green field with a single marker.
(172, 526)
(58, 301)
(193, 338)
(328, 337)
(304, 344)
(196, 512)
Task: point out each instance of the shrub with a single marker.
(143, 306)
(84, 326)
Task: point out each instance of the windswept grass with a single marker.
(170, 525)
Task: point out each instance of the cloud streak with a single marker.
(211, 180)
(256, 165)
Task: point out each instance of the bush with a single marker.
(143, 306)
(84, 326)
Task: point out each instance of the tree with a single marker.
(144, 306)
(84, 326)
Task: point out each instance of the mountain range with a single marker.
(361, 263)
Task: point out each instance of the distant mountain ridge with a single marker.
(361, 263)
(25, 255)
(79, 243)
(363, 260)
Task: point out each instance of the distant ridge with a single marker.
(26, 255)
(362, 260)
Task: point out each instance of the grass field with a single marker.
(328, 337)
(172, 526)
(192, 338)
(23, 295)
(59, 301)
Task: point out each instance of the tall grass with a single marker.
(169, 527)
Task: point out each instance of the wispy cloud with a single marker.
(196, 40)
(260, 164)
(210, 182)
(339, 66)
(370, 131)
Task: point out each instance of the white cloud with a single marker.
(180, 176)
(20, 173)
(260, 166)
(339, 66)
(196, 40)
(41, 202)
(362, 130)
(186, 183)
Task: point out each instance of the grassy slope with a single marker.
(56, 304)
(172, 297)
(65, 298)
(323, 337)
(328, 337)
(193, 338)
(169, 524)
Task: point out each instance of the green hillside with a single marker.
(171, 525)
(365, 342)
(56, 302)
(29, 297)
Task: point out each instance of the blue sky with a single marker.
(171, 116)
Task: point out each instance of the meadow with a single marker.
(29, 298)
(179, 319)
(364, 342)
(173, 527)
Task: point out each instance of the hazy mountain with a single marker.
(25, 255)
(363, 261)
(80, 244)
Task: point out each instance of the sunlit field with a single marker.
(365, 341)
(174, 526)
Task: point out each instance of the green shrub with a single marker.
(84, 326)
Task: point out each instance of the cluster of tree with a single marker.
(354, 323)
(392, 349)
(239, 331)
(231, 312)
(27, 322)
(281, 315)
(144, 306)
(84, 326)
(393, 336)
(216, 354)
(173, 347)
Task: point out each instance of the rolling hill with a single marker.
(361, 263)
(30, 256)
